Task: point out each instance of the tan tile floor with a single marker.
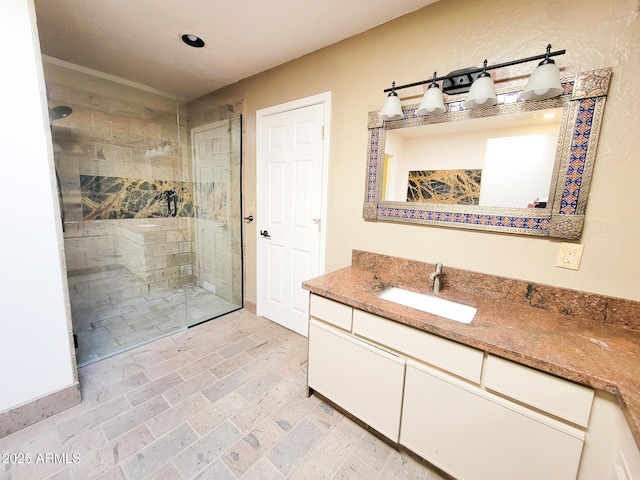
(129, 315)
(223, 400)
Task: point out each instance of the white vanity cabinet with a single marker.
(364, 380)
(474, 415)
(610, 452)
(473, 434)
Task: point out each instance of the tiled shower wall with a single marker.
(122, 134)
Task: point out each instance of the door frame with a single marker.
(321, 98)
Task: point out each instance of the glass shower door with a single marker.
(215, 138)
(127, 210)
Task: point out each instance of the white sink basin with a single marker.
(430, 304)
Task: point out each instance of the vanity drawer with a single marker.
(331, 312)
(553, 395)
(466, 362)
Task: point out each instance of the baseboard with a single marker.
(250, 307)
(28, 413)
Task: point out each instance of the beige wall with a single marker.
(446, 36)
(36, 358)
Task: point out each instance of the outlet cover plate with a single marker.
(570, 255)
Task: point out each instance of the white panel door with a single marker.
(290, 213)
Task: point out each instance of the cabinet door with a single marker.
(474, 435)
(363, 379)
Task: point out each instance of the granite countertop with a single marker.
(599, 355)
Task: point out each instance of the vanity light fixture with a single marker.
(392, 110)
(432, 101)
(543, 83)
(483, 92)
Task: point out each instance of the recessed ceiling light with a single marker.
(192, 40)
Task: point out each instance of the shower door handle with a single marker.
(265, 234)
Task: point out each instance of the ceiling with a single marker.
(138, 40)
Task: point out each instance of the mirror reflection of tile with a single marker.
(461, 187)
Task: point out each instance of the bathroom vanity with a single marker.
(520, 392)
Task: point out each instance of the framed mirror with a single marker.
(519, 167)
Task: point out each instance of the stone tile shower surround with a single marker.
(587, 338)
(134, 215)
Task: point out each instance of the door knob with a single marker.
(265, 234)
(249, 218)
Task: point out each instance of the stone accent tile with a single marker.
(217, 470)
(260, 385)
(233, 364)
(134, 417)
(190, 387)
(153, 388)
(255, 412)
(254, 445)
(289, 451)
(225, 386)
(200, 366)
(152, 457)
(263, 470)
(355, 469)
(311, 469)
(114, 390)
(338, 443)
(91, 418)
(170, 419)
(206, 450)
(217, 413)
(237, 347)
(373, 451)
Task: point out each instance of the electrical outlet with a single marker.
(570, 255)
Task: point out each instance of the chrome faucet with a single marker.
(435, 276)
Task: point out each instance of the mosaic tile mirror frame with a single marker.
(583, 103)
